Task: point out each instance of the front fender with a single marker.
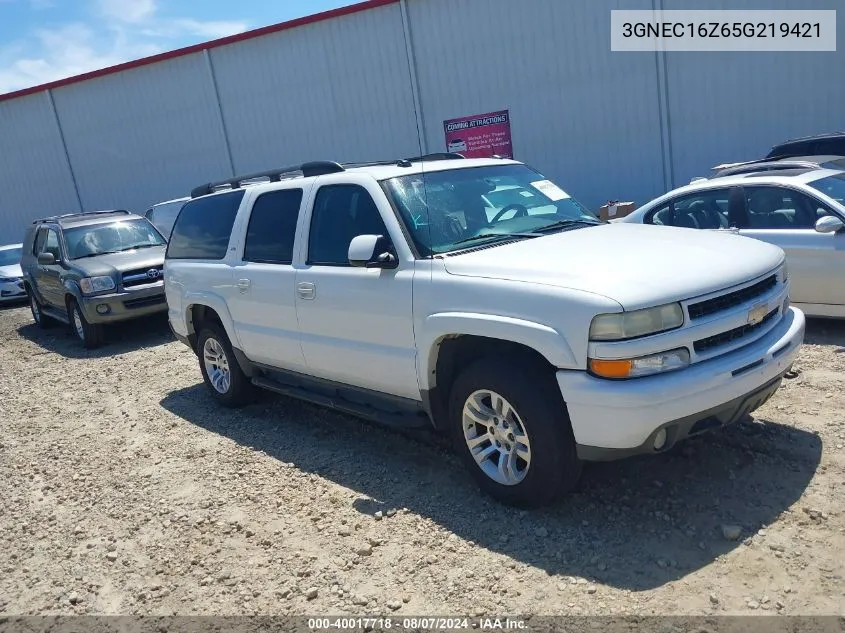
(543, 339)
(72, 288)
(216, 303)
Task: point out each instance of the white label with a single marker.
(550, 190)
(611, 210)
(723, 30)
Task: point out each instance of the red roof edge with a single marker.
(196, 48)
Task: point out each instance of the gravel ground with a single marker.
(127, 491)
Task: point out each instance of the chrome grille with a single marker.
(723, 338)
(732, 299)
(142, 276)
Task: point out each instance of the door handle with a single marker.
(306, 290)
(244, 284)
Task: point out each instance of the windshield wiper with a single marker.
(95, 254)
(562, 224)
(137, 246)
(486, 236)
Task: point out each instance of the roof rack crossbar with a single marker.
(314, 168)
(80, 214)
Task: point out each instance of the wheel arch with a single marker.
(454, 340)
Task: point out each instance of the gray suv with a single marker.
(88, 269)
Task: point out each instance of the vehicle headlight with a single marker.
(90, 285)
(643, 366)
(624, 325)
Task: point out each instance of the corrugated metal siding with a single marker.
(334, 90)
(584, 116)
(726, 107)
(34, 175)
(144, 135)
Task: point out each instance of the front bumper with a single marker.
(12, 291)
(128, 304)
(615, 419)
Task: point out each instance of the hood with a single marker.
(121, 262)
(634, 264)
(12, 270)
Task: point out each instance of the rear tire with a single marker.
(41, 320)
(89, 334)
(529, 456)
(221, 372)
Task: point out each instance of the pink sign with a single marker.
(480, 136)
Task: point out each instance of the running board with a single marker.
(409, 420)
(57, 315)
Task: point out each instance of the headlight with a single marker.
(643, 366)
(624, 325)
(90, 285)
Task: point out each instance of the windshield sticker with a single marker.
(550, 190)
(526, 194)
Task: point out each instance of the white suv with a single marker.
(537, 340)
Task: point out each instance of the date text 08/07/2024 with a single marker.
(415, 623)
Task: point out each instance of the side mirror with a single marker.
(829, 224)
(371, 251)
(46, 259)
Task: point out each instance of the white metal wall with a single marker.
(604, 124)
(143, 135)
(333, 90)
(584, 116)
(726, 107)
(34, 175)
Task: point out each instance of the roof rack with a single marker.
(64, 216)
(812, 136)
(314, 168)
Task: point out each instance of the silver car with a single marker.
(801, 210)
(11, 277)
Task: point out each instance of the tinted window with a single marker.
(780, 208)
(39, 241)
(340, 213)
(10, 256)
(702, 210)
(52, 244)
(204, 226)
(272, 227)
(164, 217)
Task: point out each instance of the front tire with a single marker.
(510, 427)
(221, 372)
(89, 334)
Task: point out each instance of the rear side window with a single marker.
(204, 226)
(272, 227)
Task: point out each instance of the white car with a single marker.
(537, 341)
(800, 210)
(11, 276)
(163, 215)
(457, 145)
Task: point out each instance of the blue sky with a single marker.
(45, 40)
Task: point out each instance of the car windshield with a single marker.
(446, 210)
(10, 256)
(113, 237)
(831, 186)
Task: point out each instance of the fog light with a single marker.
(103, 308)
(660, 439)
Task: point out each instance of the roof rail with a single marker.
(314, 168)
(81, 214)
(811, 136)
(763, 166)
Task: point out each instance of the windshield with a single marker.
(832, 186)
(444, 210)
(10, 256)
(113, 237)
